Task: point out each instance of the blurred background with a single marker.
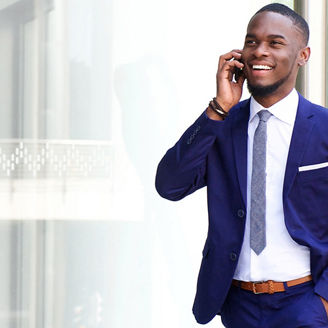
(92, 94)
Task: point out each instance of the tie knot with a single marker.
(264, 115)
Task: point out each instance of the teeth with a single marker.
(262, 67)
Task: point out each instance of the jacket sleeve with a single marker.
(183, 168)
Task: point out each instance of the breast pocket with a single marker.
(312, 175)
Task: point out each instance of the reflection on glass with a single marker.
(63, 175)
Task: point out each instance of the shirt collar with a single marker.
(285, 109)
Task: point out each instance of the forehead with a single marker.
(270, 23)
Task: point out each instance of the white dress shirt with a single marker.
(282, 259)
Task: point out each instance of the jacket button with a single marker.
(241, 213)
(233, 256)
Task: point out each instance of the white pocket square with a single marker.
(312, 167)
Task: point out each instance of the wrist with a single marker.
(223, 104)
(217, 109)
(212, 115)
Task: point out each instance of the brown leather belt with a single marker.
(270, 286)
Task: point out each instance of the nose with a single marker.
(261, 50)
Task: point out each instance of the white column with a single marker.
(315, 72)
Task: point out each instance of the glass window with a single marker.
(93, 92)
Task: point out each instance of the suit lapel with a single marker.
(302, 128)
(239, 137)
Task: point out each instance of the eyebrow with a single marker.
(271, 36)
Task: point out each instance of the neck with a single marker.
(269, 100)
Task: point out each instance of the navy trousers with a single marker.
(297, 307)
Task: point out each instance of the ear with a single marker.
(304, 56)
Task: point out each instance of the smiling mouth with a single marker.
(262, 67)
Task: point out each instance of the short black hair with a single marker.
(297, 19)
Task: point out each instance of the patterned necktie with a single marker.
(258, 199)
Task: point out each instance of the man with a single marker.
(265, 164)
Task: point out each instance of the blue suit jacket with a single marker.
(214, 154)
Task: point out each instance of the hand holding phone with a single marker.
(230, 79)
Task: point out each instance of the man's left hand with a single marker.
(325, 303)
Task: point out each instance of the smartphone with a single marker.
(237, 73)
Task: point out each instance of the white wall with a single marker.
(165, 56)
(316, 68)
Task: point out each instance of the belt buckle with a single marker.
(270, 287)
(254, 287)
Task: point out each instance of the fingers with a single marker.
(228, 63)
(231, 54)
(234, 54)
(229, 69)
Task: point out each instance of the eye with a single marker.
(276, 43)
(250, 42)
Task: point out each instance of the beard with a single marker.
(262, 91)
